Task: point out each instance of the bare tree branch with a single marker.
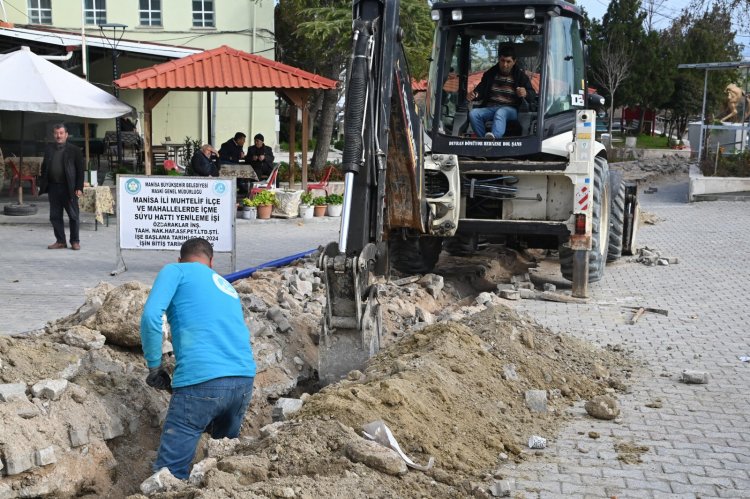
(613, 68)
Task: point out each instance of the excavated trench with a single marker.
(82, 421)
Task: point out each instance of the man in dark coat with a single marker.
(62, 179)
(231, 150)
(499, 95)
(203, 162)
(260, 157)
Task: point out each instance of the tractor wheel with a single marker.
(616, 216)
(414, 255)
(599, 228)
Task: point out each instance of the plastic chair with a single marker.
(323, 184)
(18, 179)
(270, 184)
(169, 164)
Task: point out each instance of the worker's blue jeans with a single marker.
(216, 406)
(500, 116)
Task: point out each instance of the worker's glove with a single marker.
(158, 378)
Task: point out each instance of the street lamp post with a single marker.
(113, 41)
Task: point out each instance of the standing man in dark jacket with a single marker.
(62, 180)
(231, 150)
(499, 94)
(260, 157)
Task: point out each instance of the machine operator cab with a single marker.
(546, 38)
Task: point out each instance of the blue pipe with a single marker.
(241, 274)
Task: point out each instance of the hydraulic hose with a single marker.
(241, 274)
(356, 95)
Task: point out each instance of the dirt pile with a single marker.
(76, 417)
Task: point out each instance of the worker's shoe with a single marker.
(75, 246)
(489, 135)
(57, 246)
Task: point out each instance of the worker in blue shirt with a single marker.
(213, 379)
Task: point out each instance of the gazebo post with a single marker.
(151, 98)
(304, 146)
(292, 136)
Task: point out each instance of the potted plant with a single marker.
(335, 202)
(249, 211)
(306, 205)
(320, 206)
(265, 201)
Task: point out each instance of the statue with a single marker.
(737, 101)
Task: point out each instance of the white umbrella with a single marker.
(32, 83)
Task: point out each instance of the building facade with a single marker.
(156, 25)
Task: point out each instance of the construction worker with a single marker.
(213, 378)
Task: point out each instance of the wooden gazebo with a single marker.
(226, 69)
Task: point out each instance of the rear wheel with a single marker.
(599, 228)
(414, 255)
(616, 216)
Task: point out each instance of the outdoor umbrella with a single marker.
(32, 83)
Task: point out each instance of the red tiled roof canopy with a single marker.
(223, 68)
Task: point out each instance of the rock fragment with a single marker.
(83, 337)
(694, 377)
(221, 447)
(50, 389)
(276, 315)
(198, 473)
(510, 294)
(45, 456)
(602, 407)
(501, 488)
(536, 400)
(10, 391)
(376, 456)
(285, 408)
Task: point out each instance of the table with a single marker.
(237, 170)
(32, 165)
(98, 200)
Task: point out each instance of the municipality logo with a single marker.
(133, 186)
(224, 286)
(220, 188)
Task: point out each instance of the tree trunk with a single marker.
(325, 130)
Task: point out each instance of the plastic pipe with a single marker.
(241, 274)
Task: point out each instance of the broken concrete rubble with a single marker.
(10, 391)
(602, 407)
(376, 456)
(50, 389)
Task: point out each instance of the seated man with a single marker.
(499, 94)
(231, 150)
(203, 163)
(260, 157)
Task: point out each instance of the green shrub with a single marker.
(319, 201)
(335, 199)
(265, 198)
(306, 198)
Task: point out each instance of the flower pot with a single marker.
(249, 213)
(264, 212)
(320, 210)
(334, 210)
(287, 204)
(630, 141)
(306, 211)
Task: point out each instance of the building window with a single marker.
(40, 11)
(150, 12)
(203, 13)
(95, 11)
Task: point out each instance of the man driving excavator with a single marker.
(500, 93)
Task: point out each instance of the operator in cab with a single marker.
(499, 95)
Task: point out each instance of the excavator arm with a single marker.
(383, 178)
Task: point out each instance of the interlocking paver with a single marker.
(699, 441)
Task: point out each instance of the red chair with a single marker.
(269, 185)
(323, 184)
(169, 164)
(18, 179)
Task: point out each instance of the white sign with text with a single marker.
(162, 212)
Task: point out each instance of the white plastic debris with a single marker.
(537, 442)
(377, 431)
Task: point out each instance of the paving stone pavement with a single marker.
(699, 440)
(38, 285)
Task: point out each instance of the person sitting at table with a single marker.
(260, 157)
(231, 151)
(203, 163)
